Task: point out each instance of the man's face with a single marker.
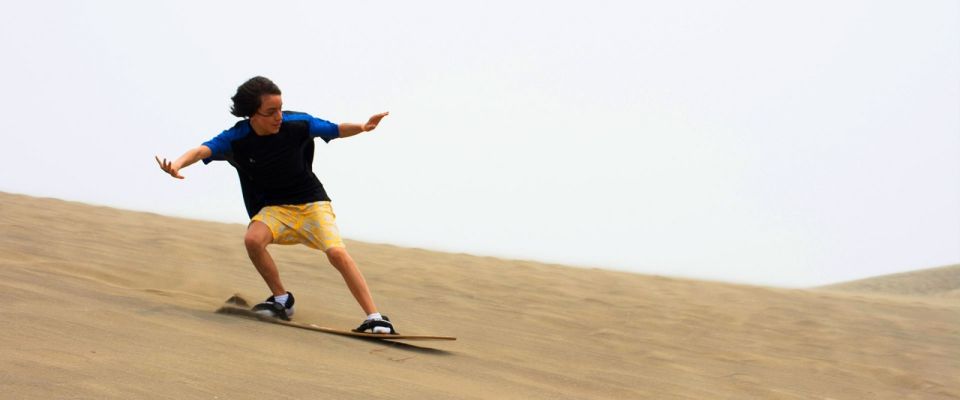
(267, 119)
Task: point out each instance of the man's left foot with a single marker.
(272, 308)
(376, 325)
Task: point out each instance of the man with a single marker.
(272, 151)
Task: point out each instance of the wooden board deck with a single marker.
(236, 305)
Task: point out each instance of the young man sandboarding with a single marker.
(272, 151)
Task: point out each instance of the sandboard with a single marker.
(238, 306)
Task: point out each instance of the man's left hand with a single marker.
(374, 121)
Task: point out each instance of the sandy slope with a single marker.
(101, 303)
(931, 284)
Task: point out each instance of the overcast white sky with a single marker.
(779, 142)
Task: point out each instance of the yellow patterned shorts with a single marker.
(311, 224)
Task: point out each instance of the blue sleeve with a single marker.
(220, 148)
(323, 129)
(319, 128)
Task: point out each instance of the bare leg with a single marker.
(342, 261)
(257, 238)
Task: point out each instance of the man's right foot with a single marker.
(376, 325)
(271, 308)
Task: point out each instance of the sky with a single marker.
(778, 143)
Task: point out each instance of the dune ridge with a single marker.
(100, 303)
(940, 282)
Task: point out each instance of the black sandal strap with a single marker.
(373, 323)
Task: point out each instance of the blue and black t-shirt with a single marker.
(275, 169)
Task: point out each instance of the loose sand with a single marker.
(99, 303)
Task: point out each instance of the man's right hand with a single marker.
(167, 166)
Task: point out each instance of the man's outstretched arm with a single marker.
(348, 129)
(191, 156)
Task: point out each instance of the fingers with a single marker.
(164, 165)
(167, 166)
(374, 121)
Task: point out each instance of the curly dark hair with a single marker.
(247, 100)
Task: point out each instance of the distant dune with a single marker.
(100, 303)
(943, 282)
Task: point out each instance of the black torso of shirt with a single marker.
(277, 169)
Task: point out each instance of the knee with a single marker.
(255, 242)
(338, 256)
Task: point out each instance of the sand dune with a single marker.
(943, 282)
(100, 303)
